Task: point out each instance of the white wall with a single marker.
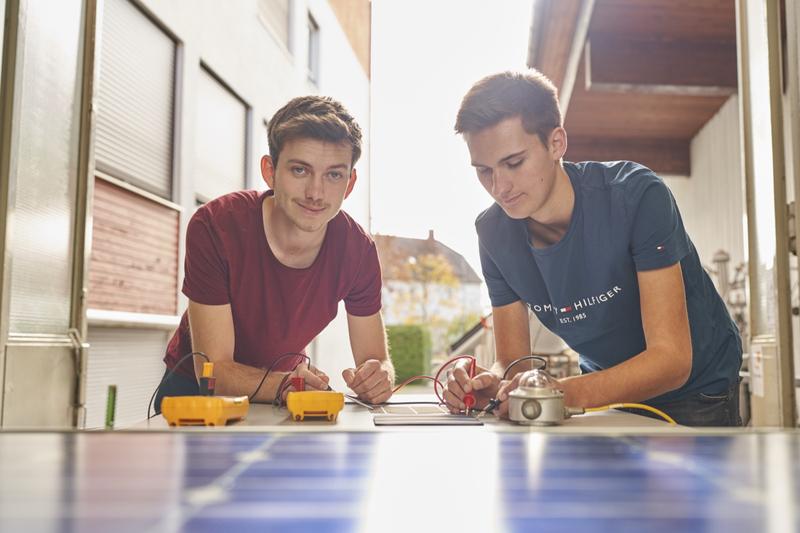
(711, 200)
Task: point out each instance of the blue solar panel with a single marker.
(332, 482)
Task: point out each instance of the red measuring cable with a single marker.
(412, 379)
(448, 363)
(437, 381)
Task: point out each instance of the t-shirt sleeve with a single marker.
(205, 268)
(499, 292)
(658, 238)
(364, 298)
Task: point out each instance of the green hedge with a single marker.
(410, 347)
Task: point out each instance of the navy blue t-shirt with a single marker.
(584, 287)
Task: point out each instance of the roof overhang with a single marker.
(637, 80)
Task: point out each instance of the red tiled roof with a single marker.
(395, 251)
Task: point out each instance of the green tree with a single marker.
(424, 271)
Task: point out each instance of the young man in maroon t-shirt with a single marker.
(265, 271)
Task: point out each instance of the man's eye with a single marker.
(299, 171)
(514, 164)
(335, 175)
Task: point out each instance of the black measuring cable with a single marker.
(494, 403)
(272, 366)
(169, 375)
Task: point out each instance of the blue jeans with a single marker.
(176, 385)
(703, 409)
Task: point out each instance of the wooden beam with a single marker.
(680, 68)
(555, 46)
(667, 20)
(552, 29)
(576, 51)
(662, 156)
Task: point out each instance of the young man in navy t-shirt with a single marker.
(599, 253)
(265, 271)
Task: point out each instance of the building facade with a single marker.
(425, 282)
(145, 109)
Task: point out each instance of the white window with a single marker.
(275, 15)
(43, 172)
(135, 94)
(220, 139)
(313, 50)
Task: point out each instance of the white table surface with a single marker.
(265, 417)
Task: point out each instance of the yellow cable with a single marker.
(659, 412)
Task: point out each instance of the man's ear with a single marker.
(558, 143)
(268, 171)
(351, 183)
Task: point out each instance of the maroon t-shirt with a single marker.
(276, 309)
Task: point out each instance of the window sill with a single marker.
(102, 318)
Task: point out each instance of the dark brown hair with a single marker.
(529, 95)
(316, 117)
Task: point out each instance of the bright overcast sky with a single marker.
(425, 56)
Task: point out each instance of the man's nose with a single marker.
(500, 183)
(315, 188)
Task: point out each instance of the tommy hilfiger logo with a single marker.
(578, 305)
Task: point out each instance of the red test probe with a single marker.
(469, 398)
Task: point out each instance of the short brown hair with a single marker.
(529, 95)
(316, 117)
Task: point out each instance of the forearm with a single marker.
(649, 374)
(236, 379)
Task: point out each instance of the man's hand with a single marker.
(315, 379)
(483, 387)
(370, 381)
(506, 386)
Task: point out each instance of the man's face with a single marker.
(514, 166)
(311, 181)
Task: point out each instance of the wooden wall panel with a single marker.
(662, 156)
(604, 114)
(666, 19)
(659, 66)
(660, 70)
(134, 261)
